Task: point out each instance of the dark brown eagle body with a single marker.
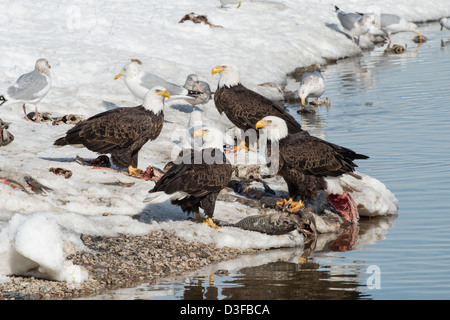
(305, 161)
(120, 132)
(244, 107)
(201, 182)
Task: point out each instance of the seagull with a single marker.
(29, 88)
(392, 23)
(192, 84)
(445, 23)
(354, 23)
(312, 85)
(139, 82)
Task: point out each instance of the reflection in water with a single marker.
(288, 274)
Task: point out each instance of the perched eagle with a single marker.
(196, 178)
(244, 107)
(308, 164)
(122, 131)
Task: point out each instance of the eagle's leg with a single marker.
(208, 221)
(293, 206)
(198, 217)
(132, 171)
(284, 202)
(296, 206)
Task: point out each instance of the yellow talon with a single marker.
(284, 202)
(210, 222)
(134, 171)
(297, 205)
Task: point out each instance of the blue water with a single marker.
(396, 109)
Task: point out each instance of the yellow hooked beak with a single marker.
(217, 69)
(49, 66)
(198, 133)
(165, 93)
(118, 76)
(262, 124)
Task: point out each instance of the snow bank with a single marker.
(87, 43)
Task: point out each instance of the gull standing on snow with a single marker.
(312, 85)
(192, 84)
(445, 23)
(354, 23)
(392, 23)
(30, 88)
(139, 82)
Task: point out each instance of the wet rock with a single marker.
(396, 48)
(420, 39)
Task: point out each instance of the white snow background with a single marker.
(87, 43)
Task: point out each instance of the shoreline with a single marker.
(119, 262)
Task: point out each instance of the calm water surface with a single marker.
(396, 109)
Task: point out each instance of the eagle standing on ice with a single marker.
(196, 180)
(309, 164)
(122, 132)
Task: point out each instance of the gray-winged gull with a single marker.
(392, 23)
(30, 87)
(312, 85)
(194, 85)
(445, 23)
(139, 82)
(354, 23)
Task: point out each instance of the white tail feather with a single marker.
(161, 196)
(334, 185)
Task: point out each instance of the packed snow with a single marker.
(87, 43)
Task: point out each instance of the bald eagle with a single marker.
(196, 178)
(244, 107)
(122, 132)
(309, 164)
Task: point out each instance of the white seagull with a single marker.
(139, 82)
(354, 23)
(312, 85)
(445, 23)
(29, 88)
(392, 23)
